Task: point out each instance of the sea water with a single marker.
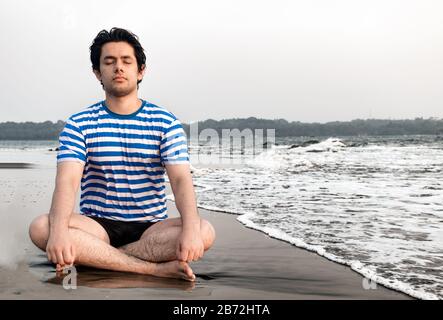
(373, 203)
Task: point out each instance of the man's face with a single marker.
(118, 69)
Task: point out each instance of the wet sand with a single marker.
(15, 165)
(242, 264)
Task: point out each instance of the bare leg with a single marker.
(159, 242)
(95, 252)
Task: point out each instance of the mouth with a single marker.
(119, 79)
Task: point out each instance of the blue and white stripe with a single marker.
(124, 158)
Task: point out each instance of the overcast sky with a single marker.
(310, 61)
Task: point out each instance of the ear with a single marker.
(98, 75)
(141, 73)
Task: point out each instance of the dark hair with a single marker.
(116, 35)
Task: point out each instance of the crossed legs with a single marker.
(153, 254)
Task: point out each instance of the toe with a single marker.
(186, 277)
(188, 271)
(190, 274)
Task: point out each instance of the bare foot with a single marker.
(174, 269)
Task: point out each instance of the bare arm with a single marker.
(191, 247)
(183, 189)
(59, 248)
(66, 185)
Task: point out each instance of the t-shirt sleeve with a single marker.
(72, 146)
(173, 146)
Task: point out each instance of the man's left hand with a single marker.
(190, 246)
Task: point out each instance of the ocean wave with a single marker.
(246, 219)
(295, 157)
(328, 145)
(370, 207)
(355, 265)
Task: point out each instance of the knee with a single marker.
(39, 231)
(208, 233)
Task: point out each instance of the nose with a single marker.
(118, 66)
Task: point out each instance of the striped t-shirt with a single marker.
(124, 157)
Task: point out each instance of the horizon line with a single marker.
(266, 119)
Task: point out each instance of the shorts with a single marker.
(122, 232)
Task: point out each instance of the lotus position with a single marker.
(119, 150)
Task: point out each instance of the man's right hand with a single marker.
(60, 249)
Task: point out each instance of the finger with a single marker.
(60, 260)
(202, 252)
(67, 256)
(53, 257)
(185, 254)
(73, 253)
(70, 252)
(192, 255)
(178, 253)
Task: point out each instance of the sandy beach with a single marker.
(242, 264)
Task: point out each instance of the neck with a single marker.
(123, 105)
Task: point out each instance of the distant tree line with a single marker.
(47, 130)
(50, 131)
(284, 128)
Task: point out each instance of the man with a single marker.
(119, 149)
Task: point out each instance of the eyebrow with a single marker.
(114, 58)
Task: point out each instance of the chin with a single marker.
(120, 92)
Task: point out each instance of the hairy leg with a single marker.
(95, 251)
(159, 242)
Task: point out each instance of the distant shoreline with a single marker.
(370, 127)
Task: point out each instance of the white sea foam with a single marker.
(330, 144)
(377, 209)
(355, 265)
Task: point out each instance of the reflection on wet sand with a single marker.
(16, 165)
(95, 278)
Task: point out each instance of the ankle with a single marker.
(149, 268)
